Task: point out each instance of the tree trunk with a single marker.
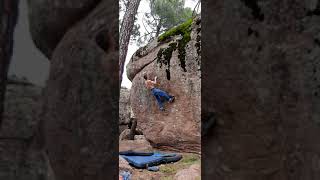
(8, 16)
(125, 33)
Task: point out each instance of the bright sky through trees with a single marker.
(143, 8)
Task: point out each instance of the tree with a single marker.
(126, 29)
(164, 14)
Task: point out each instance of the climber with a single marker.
(158, 94)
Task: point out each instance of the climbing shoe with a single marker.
(171, 99)
(161, 109)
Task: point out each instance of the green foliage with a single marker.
(164, 14)
(168, 169)
(183, 29)
(171, 12)
(190, 159)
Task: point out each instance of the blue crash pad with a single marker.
(153, 159)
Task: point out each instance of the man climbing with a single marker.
(158, 94)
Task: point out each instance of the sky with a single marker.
(27, 61)
(143, 8)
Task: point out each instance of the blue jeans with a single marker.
(159, 94)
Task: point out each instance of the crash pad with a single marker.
(153, 159)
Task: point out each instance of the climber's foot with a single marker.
(171, 99)
(161, 109)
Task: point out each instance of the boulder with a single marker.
(177, 129)
(20, 153)
(140, 145)
(124, 165)
(51, 19)
(124, 109)
(125, 135)
(191, 173)
(81, 111)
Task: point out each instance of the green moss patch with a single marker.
(184, 30)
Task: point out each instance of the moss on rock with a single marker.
(164, 55)
(184, 30)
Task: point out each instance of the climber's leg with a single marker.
(156, 94)
(159, 102)
(166, 95)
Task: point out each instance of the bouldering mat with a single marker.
(153, 159)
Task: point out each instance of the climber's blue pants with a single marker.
(159, 94)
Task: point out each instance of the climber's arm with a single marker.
(155, 80)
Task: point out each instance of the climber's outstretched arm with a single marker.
(155, 80)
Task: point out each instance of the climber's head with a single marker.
(145, 76)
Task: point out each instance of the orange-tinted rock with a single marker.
(178, 128)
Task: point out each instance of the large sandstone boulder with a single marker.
(20, 154)
(124, 109)
(262, 87)
(80, 113)
(138, 145)
(179, 127)
(51, 19)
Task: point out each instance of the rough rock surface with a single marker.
(261, 74)
(21, 156)
(81, 112)
(51, 19)
(8, 20)
(124, 165)
(191, 173)
(125, 135)
(140, 145)
(179, 127)
(124, 109)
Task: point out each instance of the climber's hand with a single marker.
(155, 80)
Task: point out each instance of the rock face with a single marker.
(124, 109)
(191, 173)
(138, 145)
(8, 20)
(124, 165)
(80, 113)
(179, 127)
(21, 157)
(51, 19)
(262, 88)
